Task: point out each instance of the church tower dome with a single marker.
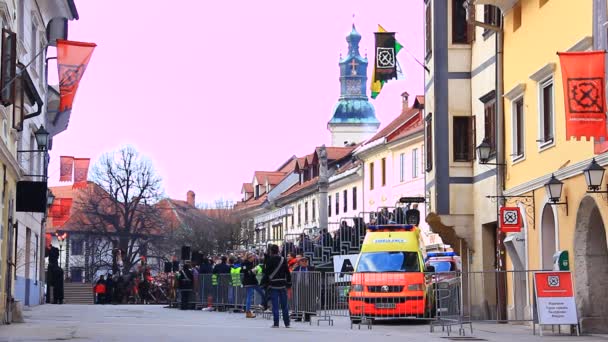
(354, 117)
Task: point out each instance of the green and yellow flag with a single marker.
(385, 66)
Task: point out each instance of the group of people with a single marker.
(133, 287)
(324, 243)
(268, 275)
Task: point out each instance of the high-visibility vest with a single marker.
(235, 273)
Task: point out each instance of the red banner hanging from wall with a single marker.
(583, 77)
(60, 211)
(81, 172)
(72, 60)
(66, 166)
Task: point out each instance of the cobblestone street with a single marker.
(155, 323)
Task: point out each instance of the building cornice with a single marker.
(565, 173)
(369, 148)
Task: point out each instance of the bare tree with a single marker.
(120, 207)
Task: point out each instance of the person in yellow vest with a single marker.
(235, 283)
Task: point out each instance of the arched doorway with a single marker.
(591, 268)
(547, 232)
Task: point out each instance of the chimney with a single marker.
(190, 198)
(405, 96)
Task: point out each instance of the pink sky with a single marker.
(211, 91)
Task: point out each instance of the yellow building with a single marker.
(536, 148)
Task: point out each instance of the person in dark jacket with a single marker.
(222, 268)
(109, 289)
(279, 280)
(250, 282)
(185, 285)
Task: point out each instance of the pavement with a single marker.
(155, 323)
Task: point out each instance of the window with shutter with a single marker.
(518, 129)
(383, 171)
(489, 120)
(8, 67)
(459, 23)
(463, 138)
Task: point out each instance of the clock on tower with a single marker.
(353, 87)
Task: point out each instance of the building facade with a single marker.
(537, 149)
(28, 30)
(393, 161)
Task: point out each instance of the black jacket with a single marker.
(221, 269)
(185, 279)
(249, 278)
(206, 269)
(282, 277)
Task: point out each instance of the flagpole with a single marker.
(25, 67)
(416, 59)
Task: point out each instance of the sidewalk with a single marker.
(155, 323)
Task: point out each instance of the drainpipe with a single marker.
(500, 120)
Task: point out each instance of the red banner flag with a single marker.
(585, 103)
(65, 168)
(72, 60)
(81, 172)
(60, 211)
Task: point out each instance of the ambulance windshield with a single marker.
(388, 262)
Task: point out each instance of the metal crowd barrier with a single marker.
(444, 299)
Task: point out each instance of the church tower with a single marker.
(354, 118)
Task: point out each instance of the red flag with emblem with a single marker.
(66, 165)
(60, 211)
(81, 172)
(583, 78)
(72, 60)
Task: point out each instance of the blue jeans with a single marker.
(251, 290)
(279, 295)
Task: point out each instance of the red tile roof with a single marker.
(350, 165)
(413, 126)
(247, 187)
(419, 100)
(393, 125)
(337, 153)
(250, 203)
(297, 187)
(261, 175)
(274, 179)
(290, 165)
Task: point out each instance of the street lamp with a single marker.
(483, 153)
(554, 189)
(61, 236)
(50, 198)
(594, 174)
(42, 138)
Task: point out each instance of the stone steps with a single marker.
(78, 293)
